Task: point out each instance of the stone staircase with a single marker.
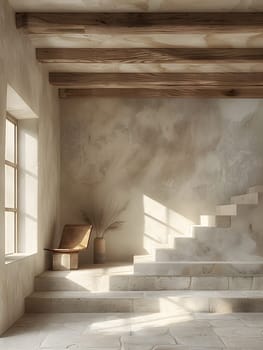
(219, 268)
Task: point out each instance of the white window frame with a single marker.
(14, 165)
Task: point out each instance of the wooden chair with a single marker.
(75, 238)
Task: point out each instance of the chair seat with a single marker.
(75, 238)
(64, 251)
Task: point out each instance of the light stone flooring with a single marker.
(180, 331)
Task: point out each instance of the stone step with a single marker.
(215, 221)
(251, 198)
(199, 268)
(233, 209)
(143, 258)
(150, 248)
(89, 278)
(216, 244)
(186, 251)
(172, 236)
(210, 231)
(72, 283)
(193, 250)
(157, 301)
(226, 210)
(213, 243)
(156, 283)
(204, 233)
(217, 234)
(228, 243)
(257, 188)
(129, 282)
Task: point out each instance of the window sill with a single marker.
(17, 257)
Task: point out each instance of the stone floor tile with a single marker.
(253, 319)
(121, 326)
(26, 338)
(195, 333)
(158, 320)
(242, 342)
(227, 323)
(189, 325)
(152, 340)
(183, 347)
(215, 316)
(72, 327)
(81, 347)
(136, 347)
(14, 346)
(78, 347)
(250, 347)
(138, 331)
(69, 317)
(149, 330)
(203, 340)
(238, 331)
(68, 340)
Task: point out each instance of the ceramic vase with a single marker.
(99, 251)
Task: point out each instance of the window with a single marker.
(11, 167)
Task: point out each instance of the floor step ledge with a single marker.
(172, 301)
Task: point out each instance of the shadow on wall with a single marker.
(161, 224)
(147, 223)
(106, 204)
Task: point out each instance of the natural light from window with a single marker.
(162, 224)
(10, 185)
(28, 186)
(21, 177)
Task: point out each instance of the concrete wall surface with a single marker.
(19, 70)
(169, 160)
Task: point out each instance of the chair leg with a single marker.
(65, 261)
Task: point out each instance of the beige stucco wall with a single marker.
(18, 67)
(186, 155)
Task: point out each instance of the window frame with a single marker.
(14, 166)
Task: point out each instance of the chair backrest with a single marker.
(75, 237)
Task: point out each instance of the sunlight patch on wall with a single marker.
(161, 224)
(28, 184)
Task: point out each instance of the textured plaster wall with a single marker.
(19, 69)
(186, 155)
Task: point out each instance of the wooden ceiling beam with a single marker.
(149, 55)
(139, 23)
(153, 80)
(180, 91)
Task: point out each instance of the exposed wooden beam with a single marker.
(149, 55)
(139, 23)
(153, 80)
(180, 91)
